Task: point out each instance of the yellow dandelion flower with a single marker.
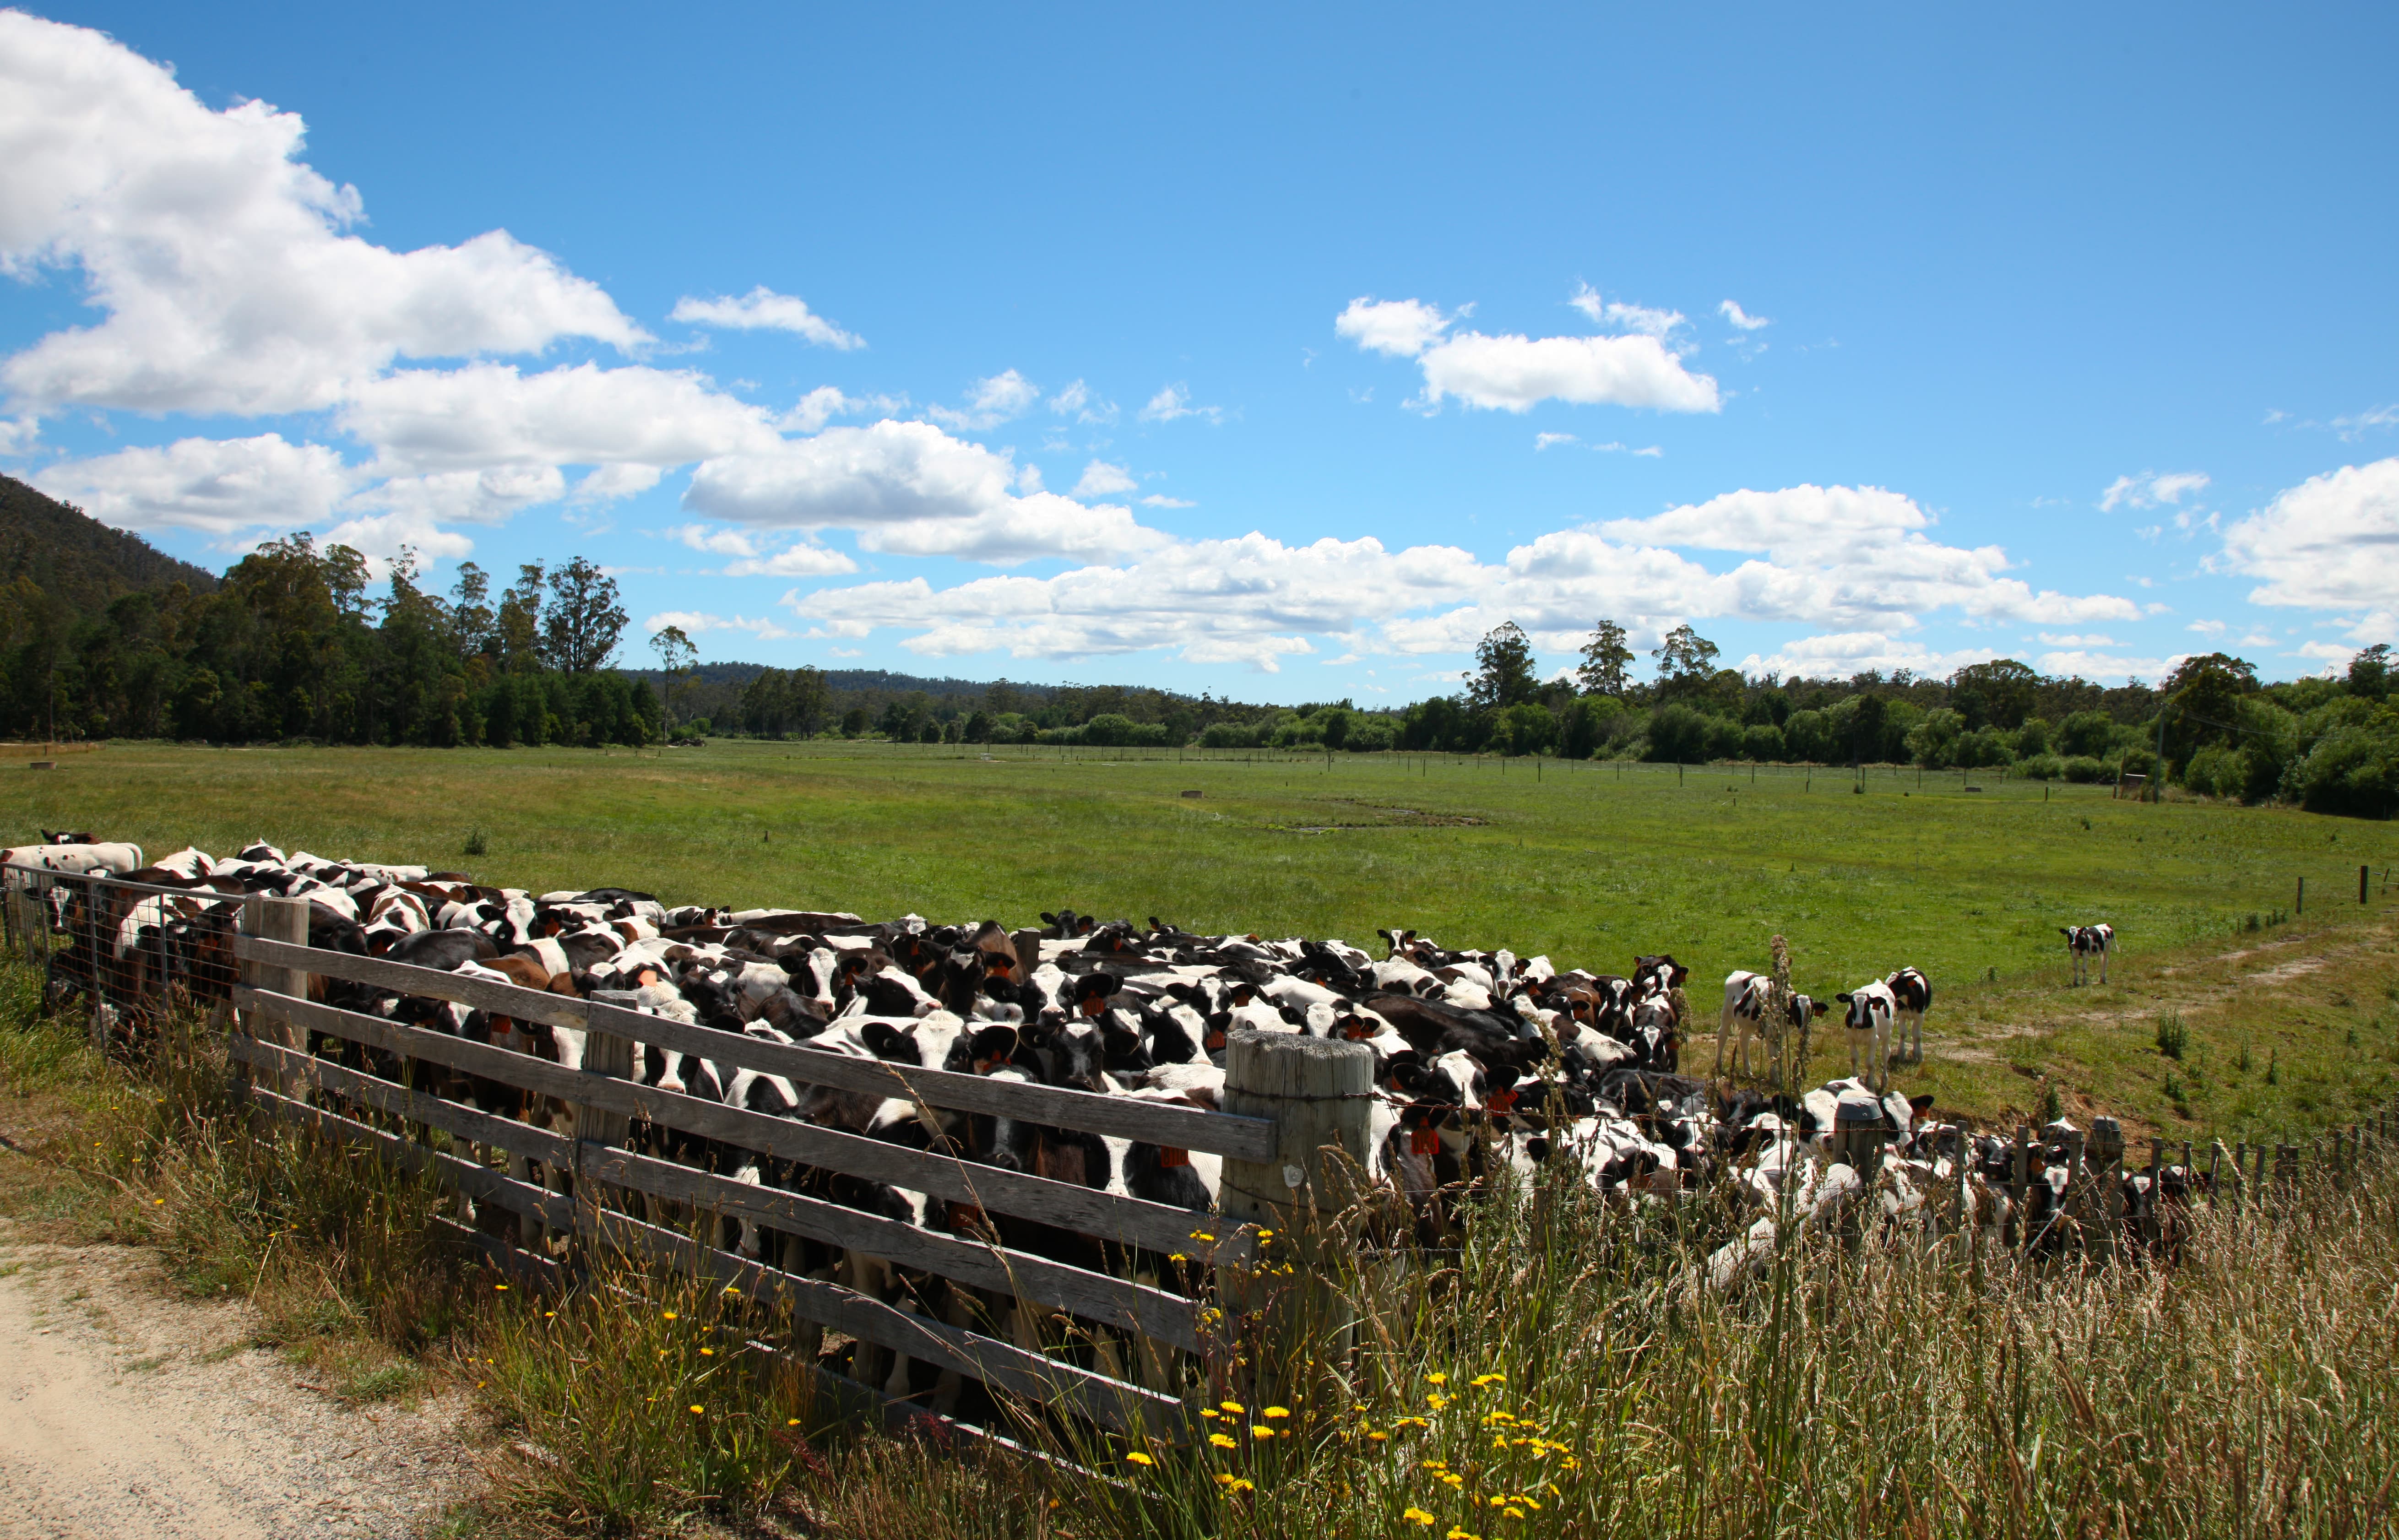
(1240, 1483)
(1452, 1479)
(1223, 1440)
(1378, 1435)
(1513, 1513)
(1483, 1381)
(1258, 1432)
(1225, 1479)
(1529, 1502)
(1232, 1406)
(1208, 1412)
(1278, 1412)
(501, 1288)
(1459, 1532)
(708, 1352)
(1137, 1457)
(670, 1314)
(1266, 1235)
(699, 1412)
(1436, 1379)
(793, 1422)
(1177, 1256)
(1201, 1234)
(1419, 1516)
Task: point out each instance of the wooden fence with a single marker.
(492, 1161)
(1288, 1100)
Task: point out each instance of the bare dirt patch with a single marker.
(125, 1409)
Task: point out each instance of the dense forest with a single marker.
(102, 637)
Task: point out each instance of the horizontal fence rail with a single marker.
(1086, 1112)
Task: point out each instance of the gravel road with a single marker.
(127, 1410)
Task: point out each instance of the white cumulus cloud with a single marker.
(1515, 372)
(2330, 543)
(221, 487)
(220, 261)
(1102, 479)
(762, 309)
(910, 488)
(1741, 319)
(992, 403)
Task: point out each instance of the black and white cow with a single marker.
(1867, 1026)
(1911, 997)
(2084, 942)
(1745, 1006)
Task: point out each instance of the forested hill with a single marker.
(74, 559)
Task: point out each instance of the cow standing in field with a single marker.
(1745, 1006)
(1867, 1026)
(1911, 997)
(2084, 942)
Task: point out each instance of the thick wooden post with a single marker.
(2020, 1184)
(2107, 1153)
(1318, 1092)
(274, 919)
(596, 1129)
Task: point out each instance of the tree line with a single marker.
(294, 644)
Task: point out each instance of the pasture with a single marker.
(2288, 1024)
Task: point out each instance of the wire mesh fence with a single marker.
(122, 954)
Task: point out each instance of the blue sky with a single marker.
(1274, 354)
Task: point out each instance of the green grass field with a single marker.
(1590, 864)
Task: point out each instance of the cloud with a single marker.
(993, 401)
(2070, 640)
(1853, 561)
(17, 436)
(1741, 318)
(2107, 666)
(489, 413)
(2149, 490)
(698, 623)
(2330, 543)
(1160, 500)
(221, 487)
(490, 497)
(1076, 402)
(220, 259)
(2355, 427)
(801, 560)
(380, 537)
(762, 309)
(1102, 479)
(1173, 402)
(2207, 628)
(1514, 374)
(1626, 317)
(910, 488)
(1551, 440)
(1842, 655)
(1398, 329)
(699, 537)
(613, 484)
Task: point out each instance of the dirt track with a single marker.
(126, 1411)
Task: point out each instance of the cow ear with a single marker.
(1048, 918)
(880, 1039)
(1921, 1104)
(1117, 1040)
(994, 1043)
(1842, 998)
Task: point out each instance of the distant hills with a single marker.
(76, 559)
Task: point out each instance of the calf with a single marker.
(1911, 997)
(2083, 942)
(1745, 997)
(1871, 1009)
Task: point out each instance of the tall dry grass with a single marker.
(1559, 1373)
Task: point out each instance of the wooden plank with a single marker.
(1111, 1403)
(459, 1121)
(530, 1005)
(1094, 1296)
(1128, 1220)
(479, 1183)
(1089, 1111)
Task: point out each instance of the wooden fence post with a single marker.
(2020, 1185)
(603, 1053)
(1319, 1091)
(2108, 1151)
(273, 919)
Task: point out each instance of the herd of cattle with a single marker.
(1482, 1057)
